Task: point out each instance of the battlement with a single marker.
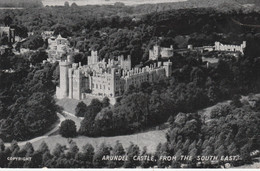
(230, 48)
(93, 58)
(64, 63)
(148, 69)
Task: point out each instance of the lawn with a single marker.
(69, 105)
(149, 139)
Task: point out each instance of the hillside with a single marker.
(21, 3)
(222, 5)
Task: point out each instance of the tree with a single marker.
(2, 145)
(81, 109)
(36, 160)
(88, 152)
(102, 151)
(43, 147)
(106, 102)
(118, 150)
(236, 101)
(4, 40)
(66, 4)
(73, 148)
(68, 128)
(74, 5)
(8, 20)
(29, 149)
(58, 151)
(245, 153)
(133, 150)
(14, 146)
(38, 57)
(33, 42)
(146, 163)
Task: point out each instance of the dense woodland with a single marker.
(27, 106)
(106, 29)
(232, 132)
(27, 86)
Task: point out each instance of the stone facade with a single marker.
(106, 79)
(158, 51)
(57, 47)
(230, 48)
(10, 33)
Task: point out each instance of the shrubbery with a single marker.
(68, 128)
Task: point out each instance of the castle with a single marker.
(158, 51)
(106, 79)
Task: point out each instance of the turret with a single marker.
(12, 36)
(63, 90)
(168, 68)
(113, 88)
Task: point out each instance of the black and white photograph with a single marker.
(130, 84)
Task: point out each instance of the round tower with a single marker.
(63, 90)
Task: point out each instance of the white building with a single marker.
(158, 51)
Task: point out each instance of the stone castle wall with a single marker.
(109, 80)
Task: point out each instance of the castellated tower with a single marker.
(168, 68)
(75, 80)
(125, 64)
(93, 59)
(63, 90)
(113, 86)
(154, 53)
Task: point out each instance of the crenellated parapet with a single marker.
(230, 48)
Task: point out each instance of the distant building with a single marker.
(106, 79)
(5, 49)
(230, 48)
(46, 34)
(57, 47)
(210, 61)
(30, 34)
(9, 32)
(162, 52)
(233, 49)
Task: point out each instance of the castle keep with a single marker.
(110, 79)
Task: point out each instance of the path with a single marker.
(150, 139)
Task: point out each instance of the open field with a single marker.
(149, 139)
(69, 105)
